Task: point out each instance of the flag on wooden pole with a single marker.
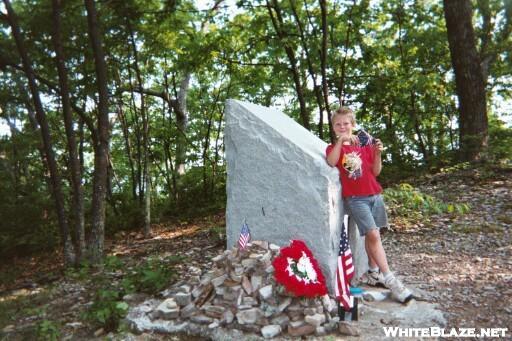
(245, 236)
(345, 269)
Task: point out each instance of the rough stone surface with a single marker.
(347, 328)
(315, 320)
(270, 331)
(188, 310)
(167, 309)
(182, 298)
(266, 292)
(302, 330)
(279, 182)
(211, 314)
(249, 316)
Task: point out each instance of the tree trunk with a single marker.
(127, 145)
(138, 139)
(147, 206)
(69, 252)
(101, 148)
(311, 70)
(173, 184)
(182, 124)
(277, 22)
(323, 63)
(145, 137)
(76, 179)
(468, 79)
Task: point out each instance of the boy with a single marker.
(359, 166)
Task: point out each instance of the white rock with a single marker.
(268, 152)
(320, 331)
(249, 316)
(214, 324)
(284, 304)
(270, 331)
(256, 282)
(281, 320)
(219, 280)
(296, 324)
(326, 302)
(185, 288)
(315, 320)
(168, 309)
(201, 319)
(266, 292)
(246, 284)
(228, 316)
(182, 298)
(188, 310)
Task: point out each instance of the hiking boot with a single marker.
(398, 291)
(373, 278)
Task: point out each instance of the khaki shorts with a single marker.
(369, 212)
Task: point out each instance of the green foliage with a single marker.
(405, 200)
(80, 273)
(485, 227)
(48, 330)
(150, 277)
(194, 201)
(108, 309)
(218, 234)
(23, 303)
(113, 263)
(500, 140)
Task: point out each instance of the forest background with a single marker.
(112, 111)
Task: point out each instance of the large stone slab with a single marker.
(279, 182)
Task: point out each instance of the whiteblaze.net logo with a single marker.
(442, 332)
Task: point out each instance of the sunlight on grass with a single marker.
(481, 228)
(20, 293)
(23, 302)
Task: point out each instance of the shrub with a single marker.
(151, 277)
(405, 200)
(108, 309)
(47, 330)
(500, 139)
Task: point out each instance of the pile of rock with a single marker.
(240, 292)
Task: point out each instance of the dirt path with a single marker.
(464, 261)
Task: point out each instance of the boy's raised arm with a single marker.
(377, 161)
(333, 156)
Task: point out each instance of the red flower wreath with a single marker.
(298, 271)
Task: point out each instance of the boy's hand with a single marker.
(351, 139)
(379, 147)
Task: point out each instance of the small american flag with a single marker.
(245, 236)
(345, 269)
(365, 139)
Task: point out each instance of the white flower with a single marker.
(303, 266)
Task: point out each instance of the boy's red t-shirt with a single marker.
(361, 182)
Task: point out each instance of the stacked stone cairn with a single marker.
(240, 292)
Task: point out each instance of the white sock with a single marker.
(388, 275)
(375, 269)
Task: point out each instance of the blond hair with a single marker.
(344, 111)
